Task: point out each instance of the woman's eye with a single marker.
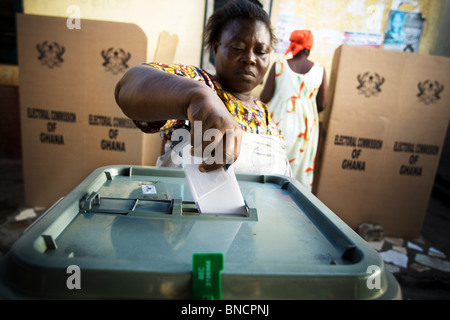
(261, 50)
(237, 48)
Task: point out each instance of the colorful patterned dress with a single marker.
(253, 120)
(262, 142)
(294, 111)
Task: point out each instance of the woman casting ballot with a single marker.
(163, 98)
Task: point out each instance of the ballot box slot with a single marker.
(95, 203)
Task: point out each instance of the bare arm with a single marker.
(147, 94)
(269, 87)
(322, 94)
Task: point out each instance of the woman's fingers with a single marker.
(215, 134)
(222, 151)
(217, 148)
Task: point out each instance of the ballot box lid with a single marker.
(130, 232)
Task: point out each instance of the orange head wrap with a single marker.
(300, 39)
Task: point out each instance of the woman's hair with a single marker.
(235, 9)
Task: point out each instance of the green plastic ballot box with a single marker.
(134, 232)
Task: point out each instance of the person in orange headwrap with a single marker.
(300, 39)
(296, 90)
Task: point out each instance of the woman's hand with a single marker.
(215, 134)
(148, 94)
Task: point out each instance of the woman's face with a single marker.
(242, 55)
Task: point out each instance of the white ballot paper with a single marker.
(214, 192)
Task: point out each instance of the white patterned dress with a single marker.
(294, 110)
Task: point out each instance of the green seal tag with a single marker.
(206, 281)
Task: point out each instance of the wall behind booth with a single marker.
(329, 20)
(181, 18)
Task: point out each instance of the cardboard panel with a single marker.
(70, 121)
(166, 48)
(384, 137)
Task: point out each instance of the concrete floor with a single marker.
(417, 282)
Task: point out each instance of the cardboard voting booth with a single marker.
(70, 122)
(385, 126)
